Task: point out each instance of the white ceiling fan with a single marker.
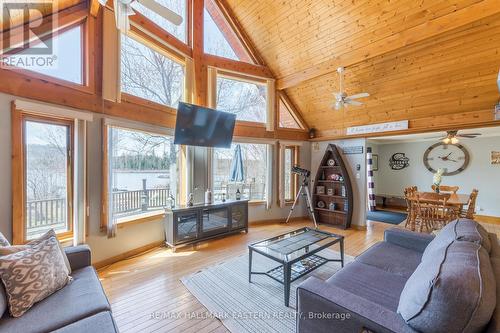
(124, 8)
(341, 98)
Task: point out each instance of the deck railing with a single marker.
(52, 212)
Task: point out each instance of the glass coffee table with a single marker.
(297, 253)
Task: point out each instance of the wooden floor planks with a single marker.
(146, 293)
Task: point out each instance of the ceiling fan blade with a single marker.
(468, 136)
(437, 137)
(360, 95)
(476, 134)
(162, 11)
(351, 102)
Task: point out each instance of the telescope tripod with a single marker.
(304, 190)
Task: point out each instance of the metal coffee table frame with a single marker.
(284, 273)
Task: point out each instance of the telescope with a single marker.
(300, 171)
(303, 191)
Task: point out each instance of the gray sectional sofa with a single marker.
(411, 282)
(79, 307)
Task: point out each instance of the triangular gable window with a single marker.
(287, 120)
(219, 39)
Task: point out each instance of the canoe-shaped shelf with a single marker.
(333, 197)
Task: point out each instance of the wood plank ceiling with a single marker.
(450, 73)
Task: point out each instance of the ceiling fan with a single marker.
(341, 98)
(124, 8)
(452, 137)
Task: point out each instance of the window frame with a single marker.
(88, 64)
(143, 38)
(241, 77)
(281, 98)
(19, 118)
(294, 181)
(266, 187)
(142, 218)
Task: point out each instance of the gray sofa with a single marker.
(411, 282)
(81, 306)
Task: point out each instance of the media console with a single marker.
(191, 224)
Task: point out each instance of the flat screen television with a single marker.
(199, 126)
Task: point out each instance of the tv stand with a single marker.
(186, 225)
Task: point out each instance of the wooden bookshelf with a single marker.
(333, 178)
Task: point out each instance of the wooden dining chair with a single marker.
(434, 215)
(471, 206)
(409, 192)
(446, 189)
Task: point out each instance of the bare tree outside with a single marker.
(46, 177)
(143, 171)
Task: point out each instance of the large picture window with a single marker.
(249, 177)
(150, 75)
(66, 62)
(143, 171)
(177, 6)
(248, 100)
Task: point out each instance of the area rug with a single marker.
(386, 216)
(256, 307)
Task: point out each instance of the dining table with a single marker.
(454, 199)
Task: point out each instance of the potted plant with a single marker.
(437, 179)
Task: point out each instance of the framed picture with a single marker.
(495, 157)
(375, 162)
(329, 191)
(320, 190)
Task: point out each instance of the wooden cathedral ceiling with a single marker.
(446, 72)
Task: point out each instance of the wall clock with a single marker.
(452, 158)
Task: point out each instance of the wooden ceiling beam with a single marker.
(94, 7)
(394, 42)
(235, 66)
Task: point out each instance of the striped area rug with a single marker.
(256, 307)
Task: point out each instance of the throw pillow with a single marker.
(459, 279)
(33, 274)
(3, 240)
(3, 297)
(6, 250)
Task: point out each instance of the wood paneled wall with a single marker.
(453, 74)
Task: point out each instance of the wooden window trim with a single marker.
(291, 108)
(295, 178)
(66, 20)
(18, 119)
(105, 183)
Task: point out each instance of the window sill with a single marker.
(256, 202)
(138, 219)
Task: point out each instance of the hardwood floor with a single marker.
(146, 293)
(149, 285)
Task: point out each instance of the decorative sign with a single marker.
(399, 161)
(377, 128)
(495, 157)
(352, 150)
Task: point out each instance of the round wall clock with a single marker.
(453, 158)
